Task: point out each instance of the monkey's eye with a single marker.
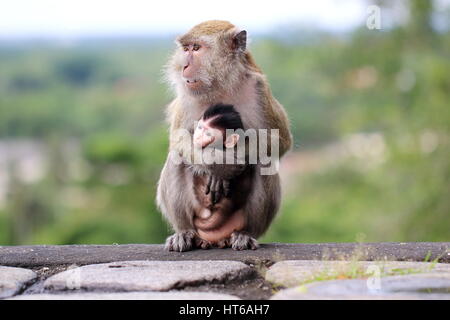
(185, 48)
(208, 134)
(196, 47)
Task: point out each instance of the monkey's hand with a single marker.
(217, 187)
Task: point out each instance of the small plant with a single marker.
(354, 269)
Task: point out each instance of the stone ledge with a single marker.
(275, 271)
(173, 295)
(40, 256)
(12, 280)
(147, 275)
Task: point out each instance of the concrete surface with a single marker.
(296, 272)
(37, 256)
(171, 295)
(405, 287)
(146, 275)
(274, 271)
(12, 280)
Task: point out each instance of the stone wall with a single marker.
(274, 271)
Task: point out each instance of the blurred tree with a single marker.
(420, 18)
(77, 70)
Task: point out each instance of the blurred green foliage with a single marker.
(96, 111)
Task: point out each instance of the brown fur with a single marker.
(207, 28)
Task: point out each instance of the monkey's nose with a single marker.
(186, 70)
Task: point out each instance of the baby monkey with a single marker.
(211, 137)
(219, 199)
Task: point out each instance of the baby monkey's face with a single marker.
(206, 135)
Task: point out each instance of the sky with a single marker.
(75, 18)
(81, 18)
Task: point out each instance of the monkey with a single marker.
(211, 65)
(212, 214)
(211, 132)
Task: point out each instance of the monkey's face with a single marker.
(208, 63)
(191, 68)
(194, 54)
(205, 135)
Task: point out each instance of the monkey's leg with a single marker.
(241, 240)
(260, 209)
(181, 241)
(175, 199)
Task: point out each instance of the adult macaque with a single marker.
(212, 65)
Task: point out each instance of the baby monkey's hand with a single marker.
(217, 187)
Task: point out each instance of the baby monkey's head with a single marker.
(211, 128)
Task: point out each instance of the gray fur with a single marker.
(232, 81)
(262, 204)
(181, 241)
(243, 241)
(241, 40)
(174, 196)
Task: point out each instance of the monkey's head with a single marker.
(211, 129)
(209, 57)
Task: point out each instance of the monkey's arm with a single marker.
(276, 117)
(219, 174)
(173, 116)
(219, 177)
(280, 121)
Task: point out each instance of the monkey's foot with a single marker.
(242, 241)
(180, 241)
(202, 244)
(224, 243)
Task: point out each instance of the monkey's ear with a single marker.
(231, 140)
(240, 41)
